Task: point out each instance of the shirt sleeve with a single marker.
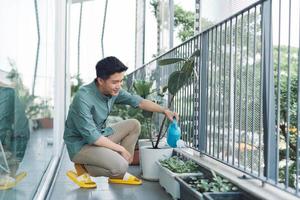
(107, 131)
(83, 120)
(125, 97)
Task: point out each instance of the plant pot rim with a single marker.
(237, 192)
(207, 195)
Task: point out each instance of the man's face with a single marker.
(112, 85)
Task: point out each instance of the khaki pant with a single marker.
(101, 161)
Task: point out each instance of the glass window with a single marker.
(26, 95)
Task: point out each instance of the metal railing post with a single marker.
(203, 94)
(270, 144)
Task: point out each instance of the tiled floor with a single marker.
(67, 190)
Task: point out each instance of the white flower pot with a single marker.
(148, 158)
(147, 142)
(144, 142)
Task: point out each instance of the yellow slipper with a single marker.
(83, 181)
(10, 182)
(128, 179)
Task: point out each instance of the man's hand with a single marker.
(125, 154)
(171, 114)
(106, 142)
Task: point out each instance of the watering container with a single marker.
(173, 134)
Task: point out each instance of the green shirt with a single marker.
(87, 115)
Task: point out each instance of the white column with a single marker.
(164, 26)
(140, 21)
(197, 25)
(171, 24)
(61, 71)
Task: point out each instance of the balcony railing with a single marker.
(242, 106)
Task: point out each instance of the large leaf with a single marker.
(188, 67)
(196, 53)
(176, 80)
(169, 61)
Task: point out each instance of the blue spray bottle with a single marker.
(173, 134)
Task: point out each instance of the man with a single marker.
(95, 149)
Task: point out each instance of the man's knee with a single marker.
(136, 125)
(120, 170)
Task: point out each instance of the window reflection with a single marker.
(26, 118)
(14, 136)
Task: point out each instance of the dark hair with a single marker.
(108, 66)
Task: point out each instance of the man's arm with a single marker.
(148, 105)
(84, 123)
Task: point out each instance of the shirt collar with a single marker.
(98, 92)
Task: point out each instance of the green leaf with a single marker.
(132, 111)
(188, 67)
(169, 61)
(196, 53)
(165, 89)
(175, 164)
(213, 173)
(147, 114)
(142, 88)
(176, 80)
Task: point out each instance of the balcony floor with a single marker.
(67, 190)
(36, 159)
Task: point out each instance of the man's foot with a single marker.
(83, 181)
(8, 182)
(128, 179)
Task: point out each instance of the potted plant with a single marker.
(38, 111)
(177, 165)
(45, 119)
(176, 80)
(211, 184)
(144, 89)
